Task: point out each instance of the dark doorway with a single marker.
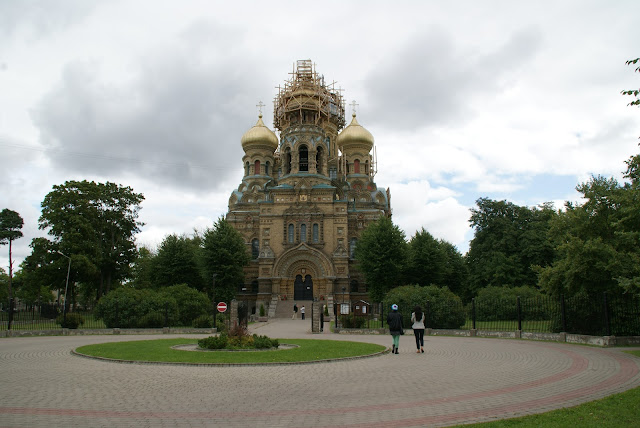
(303, 289)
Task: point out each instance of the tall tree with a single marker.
(10, 230)
(509, 241)
(224, 254)
(427, 259)
(177, 263)
(97, 221)
(381, 253)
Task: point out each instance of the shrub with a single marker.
(221, 325)
(352, 321)
(264, 342)
(442, 308)
(500, 304)
(191, 303)
(203, 321)
(73, 320)
(151, 320)
(214, 342)
(262, 312)
(125, 307)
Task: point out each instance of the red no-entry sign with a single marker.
(222, 307)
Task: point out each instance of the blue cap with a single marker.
(394, 307)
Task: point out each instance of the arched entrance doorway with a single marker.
(303, 288)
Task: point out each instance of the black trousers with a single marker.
(419, 334)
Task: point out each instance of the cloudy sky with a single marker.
(502, 99)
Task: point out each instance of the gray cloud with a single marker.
(37, 19)
(178, 122)
(431, 81)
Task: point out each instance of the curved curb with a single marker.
(271, 364)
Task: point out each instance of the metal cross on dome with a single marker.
(353, 106)
(260, 105)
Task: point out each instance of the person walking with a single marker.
(394, 321)
(295, 311)
(302, 311)
(417, 318)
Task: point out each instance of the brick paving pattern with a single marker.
(456, 381)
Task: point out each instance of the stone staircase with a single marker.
(284, 308)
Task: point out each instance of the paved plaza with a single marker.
(456, 381)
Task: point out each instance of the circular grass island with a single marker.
(167, 351)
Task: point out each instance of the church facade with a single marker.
(306, 196)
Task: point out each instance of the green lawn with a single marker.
(619, 410)
(160, 351)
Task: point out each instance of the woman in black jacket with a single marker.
(394, 321)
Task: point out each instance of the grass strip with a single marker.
(160, 351)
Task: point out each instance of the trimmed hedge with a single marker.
(442, 308)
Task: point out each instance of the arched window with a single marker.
(255, 248)
(352, 247)
(256, 168)
(266, 168)
(319, 160)
(366, 167)
(304, 159)
(291, 234)
(354, 286)
(356, 166)
(316, 234)
(246, 168)
(303, 233)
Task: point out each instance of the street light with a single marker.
(66, 287)
(213, 297)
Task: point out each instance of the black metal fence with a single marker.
(604, 315)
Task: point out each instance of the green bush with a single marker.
(73, 320)
(125, 307)
(352, 321)
(214, 342)
(264, 342)
(151, 320)
(442, 308)
(262, 312)
(191, 302)
(203, 321)
(221, 325)
(500, 304)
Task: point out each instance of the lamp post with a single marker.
(66, 287)
(213, 296)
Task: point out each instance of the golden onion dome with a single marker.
(259, 136)
(355, 135)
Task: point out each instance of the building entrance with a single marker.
(303, 288)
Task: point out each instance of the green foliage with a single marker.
(435, 262)
(203, 321)
(262, 311)
(10, 225)
(633, 92)
(96, 224)
(191, 303)
(352, 321)
(509, 241)
(151, 320)
(442, 308)
(214, 342)
(381, 253)
(177, 263)
(71, 320)
(500, 304)
(264, 342)
(143, 269)
(224, 254)
(221, 325)
(127, 308)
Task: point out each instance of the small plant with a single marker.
(221, 326)
(262, 312)
(264, 342)
(203, 321)
(73, 320)
(214, 342)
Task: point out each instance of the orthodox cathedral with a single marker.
(306, 196)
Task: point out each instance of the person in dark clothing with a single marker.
(394, 321)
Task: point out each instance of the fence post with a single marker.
(519, 308)
(607, 320)
(10, 321)
(473, 313)
(166, 314)
(381, 314)
(563, 313)
(427, 311)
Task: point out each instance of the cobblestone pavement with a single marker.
(456, 381)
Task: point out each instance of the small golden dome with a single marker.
(355, 135)
(259, 135)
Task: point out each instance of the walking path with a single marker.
(457, 380)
